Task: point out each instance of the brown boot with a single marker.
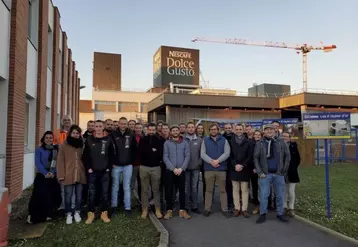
(144, 214)
(168, 215)
(256, 210)
(104, 217)
(90, 218)
(158, 213)
(184, 214)
(290, 213)
(237, 213)
(245, 214)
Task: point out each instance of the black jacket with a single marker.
(292, 173)
(150, 151)
(99, 153)
(126, 145)
(241, 154)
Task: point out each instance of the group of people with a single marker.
(114, 160)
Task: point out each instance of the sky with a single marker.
(136, 29)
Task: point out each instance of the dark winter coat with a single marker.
(292, 173)
(126, 146)
(150, 151)
(241, 154)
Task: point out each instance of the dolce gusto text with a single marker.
(178, 65)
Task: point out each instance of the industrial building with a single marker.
(39, 84)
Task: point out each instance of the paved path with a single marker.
(217, 231)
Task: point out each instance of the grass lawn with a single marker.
(311, 197)
(121, 231)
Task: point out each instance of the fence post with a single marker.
(330, 150)
(344, 153)
(317, 152)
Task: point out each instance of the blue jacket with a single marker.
(176, 154)
(218, 149)
(41, 161)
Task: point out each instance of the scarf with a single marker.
(75, 142)
(52, 158)
(270, 146)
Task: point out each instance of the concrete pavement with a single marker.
(218, 231)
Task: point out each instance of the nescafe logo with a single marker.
(180, 63)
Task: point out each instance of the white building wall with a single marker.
(51, 15)
(31, 72)
(29, 170)
(4, 41)
(84, 118)
(49, 88)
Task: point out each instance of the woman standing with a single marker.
(292, 177)
(71, 172)
(46, 195)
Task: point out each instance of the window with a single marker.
(49, 48)
(26, 123)
(7, 4)
(33, 17)
(127, 106)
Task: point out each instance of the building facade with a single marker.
(115, 104)
(39, 84)
(107, 71)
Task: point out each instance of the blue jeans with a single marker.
(127, 176)
(70, 191)
(191, 188)
(278, 182)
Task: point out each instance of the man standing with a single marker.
(176, 157)
(272, 159)
(131, 124)
(126, 146)
(90, 129)
(240, 169)
(163, 138)
(215, 150)
(253, 177)
(193, 171)
(182, 129)
(150, 153)
(230, 200)
(108, 126)
(138, 134)
(99, 156)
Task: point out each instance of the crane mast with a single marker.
(304, 49)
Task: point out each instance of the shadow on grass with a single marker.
(311, 197)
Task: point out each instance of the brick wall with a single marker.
(73, 80)
(42, 70)
(69, 82)
(64, 74)
(17, 95)
(55, 54)
(75, 90)
(78, 100)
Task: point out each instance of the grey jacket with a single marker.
(194, 147)
(176, 154)
(260, 159)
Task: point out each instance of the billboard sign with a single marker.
(176, 65)
(289, 125)
(327, 125)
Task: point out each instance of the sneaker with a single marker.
(168, 215)
(48, 218)
(90, 218)
(227, 214)
(282, 218)
(104, 217)
(69, 219)
(158, 213)
(237, 213)
(77, 217)
(128, 213)
(184, 214)
(28, 220)
(196, 211)
(246, 214)
(261, 219)
(206, 213)
(231, 208)
(256, 210)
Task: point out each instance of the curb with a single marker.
(327, 230)
(164, 234)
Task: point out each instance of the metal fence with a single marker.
(344, 150)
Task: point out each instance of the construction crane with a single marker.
(304, 49)
(203, 81)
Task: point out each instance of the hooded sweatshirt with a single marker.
(176, 154)
(194, 145)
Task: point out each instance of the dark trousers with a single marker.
(228, 187)
(94, 179)
(162, 186)
(255, 188)
(172, 180)
(203, 181)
